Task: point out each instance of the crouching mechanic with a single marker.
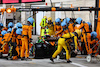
(63, 42)
(91, 41)
(26, 38)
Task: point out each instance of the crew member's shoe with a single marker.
(22, 58)
(69, 61)
(28, 59)
(51, 59)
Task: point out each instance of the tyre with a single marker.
(39, 51)
(49, 51)
(73, 54)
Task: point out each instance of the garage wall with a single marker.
(57, 13)
(39, 17)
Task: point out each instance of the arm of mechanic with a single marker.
(59, 32)
(80, 26)
(93, 41)
(30, 32)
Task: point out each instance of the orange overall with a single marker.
(89, 43)
(6, 38)
(87, 39)
(62, 32)
(85, 29)
(0, 40)
(19, 44)
(71, 28)
(13, 36)
(26, 36)
(57, 30)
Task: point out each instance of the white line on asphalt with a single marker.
(78, 64)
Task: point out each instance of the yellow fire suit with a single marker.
(63, 43)
(51, 28)
(43, 25)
